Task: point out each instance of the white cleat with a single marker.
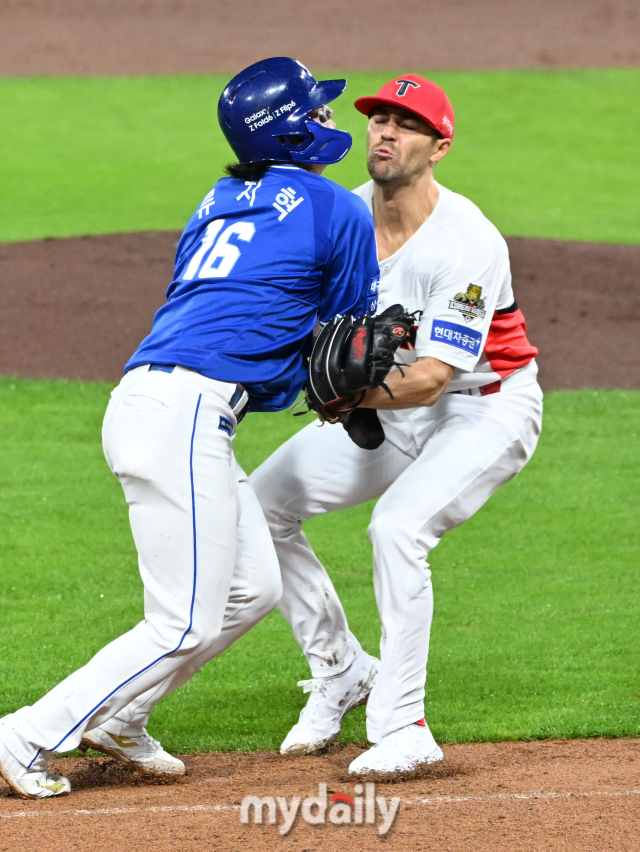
(403, 752)
(330, 700)
(34, 783)
(141, 752)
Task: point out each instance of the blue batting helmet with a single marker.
(264, 114)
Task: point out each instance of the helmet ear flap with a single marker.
(293, 139)
(328, 145)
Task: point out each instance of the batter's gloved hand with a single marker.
(349, 356)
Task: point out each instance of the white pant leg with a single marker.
(318, 470)
(472, 446)
(162, 440)
(255, 591)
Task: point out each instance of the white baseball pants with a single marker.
(205, 555)
(438, 466)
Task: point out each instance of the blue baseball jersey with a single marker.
(257, 266)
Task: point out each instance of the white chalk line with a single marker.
(110, 811)
(430, 800)
(511, 796)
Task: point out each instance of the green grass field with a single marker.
(544, 154)
(535, 632)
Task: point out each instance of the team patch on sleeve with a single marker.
(470, 304)
(456, 335)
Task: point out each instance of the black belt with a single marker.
(236, 396)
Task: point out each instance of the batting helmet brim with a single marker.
(326, 91)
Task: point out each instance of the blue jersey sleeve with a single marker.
(258, 265)
(352, 276)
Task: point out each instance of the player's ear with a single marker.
(441, 149)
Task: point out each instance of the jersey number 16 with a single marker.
(216, 256)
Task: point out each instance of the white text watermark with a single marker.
(363, 808)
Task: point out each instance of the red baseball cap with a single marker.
(418, 95)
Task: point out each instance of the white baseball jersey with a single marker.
(436, 468)
(455, 271)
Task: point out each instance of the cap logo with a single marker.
(404, 87)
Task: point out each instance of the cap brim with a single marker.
(326, 91)
(365, 105)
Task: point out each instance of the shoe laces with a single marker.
(314, 684)
(148, 740)
(316, 703)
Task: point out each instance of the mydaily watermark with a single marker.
(363, 808)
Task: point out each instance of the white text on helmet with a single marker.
(255, 115)
(252, 120)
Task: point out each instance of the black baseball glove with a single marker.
(364, 428)
(349, 356)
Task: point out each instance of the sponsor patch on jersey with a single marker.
(456, 335)
(470, 304)
(225, 424)
(374, 285)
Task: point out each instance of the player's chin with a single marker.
(381, 170)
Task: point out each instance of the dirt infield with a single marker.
(174, 36)
(574, 796)
(77, 308)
